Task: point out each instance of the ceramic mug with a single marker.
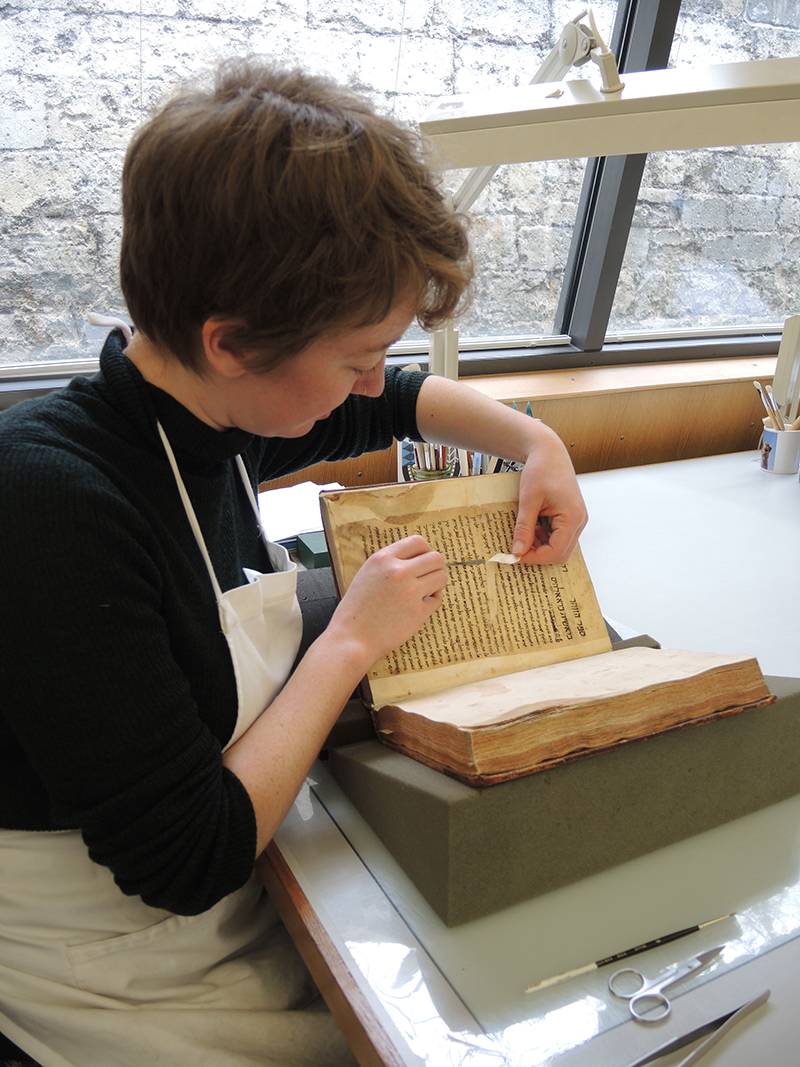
(780, 451)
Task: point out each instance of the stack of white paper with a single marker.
(292, 510)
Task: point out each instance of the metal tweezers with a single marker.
(716, 1027)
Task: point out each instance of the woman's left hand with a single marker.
(551, 510)
(551, 513)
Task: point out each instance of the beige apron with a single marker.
(90, 977)
(261, 620)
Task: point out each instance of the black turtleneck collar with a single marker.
(193, 441)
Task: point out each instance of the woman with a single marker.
(278, 236)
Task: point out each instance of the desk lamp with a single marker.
(576, 45)
(755, 102)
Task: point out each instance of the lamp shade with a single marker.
(755, 102)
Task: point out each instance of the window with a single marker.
(550, 240)
(713, 243)
(521, 226)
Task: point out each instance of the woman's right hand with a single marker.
(392, 595)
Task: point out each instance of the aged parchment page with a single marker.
(495, 618)
(559, 688)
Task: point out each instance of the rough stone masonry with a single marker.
(714, 240)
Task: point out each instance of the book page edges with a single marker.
(565, 683)
(468, 773)
(526, 740)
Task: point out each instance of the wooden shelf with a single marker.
(625, 416)
(612, 417)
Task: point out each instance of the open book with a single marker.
(514, 673)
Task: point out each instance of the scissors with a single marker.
(647, 1002)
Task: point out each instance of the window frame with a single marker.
(641, 39)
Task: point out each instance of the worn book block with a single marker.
(514, 672)
(471, 851)
(355, 722)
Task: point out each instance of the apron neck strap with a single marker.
(250, 493)
(190, 512)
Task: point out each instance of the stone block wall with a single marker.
(77, 78)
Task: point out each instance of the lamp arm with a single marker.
(604, 58)
(575, 45)
(570, 50)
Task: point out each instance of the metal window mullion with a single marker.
(642, 39)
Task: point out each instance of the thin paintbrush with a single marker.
(775, 407)
(767, 406)
(622, 955)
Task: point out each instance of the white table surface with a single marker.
(701, 554)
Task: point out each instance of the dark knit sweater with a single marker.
(116, 686)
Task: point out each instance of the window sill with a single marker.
(623, 416)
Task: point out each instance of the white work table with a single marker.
(703, 554)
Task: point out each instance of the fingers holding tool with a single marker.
(393, 594)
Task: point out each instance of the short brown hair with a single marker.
(286, 203)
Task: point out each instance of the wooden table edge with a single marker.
(361, 1027)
